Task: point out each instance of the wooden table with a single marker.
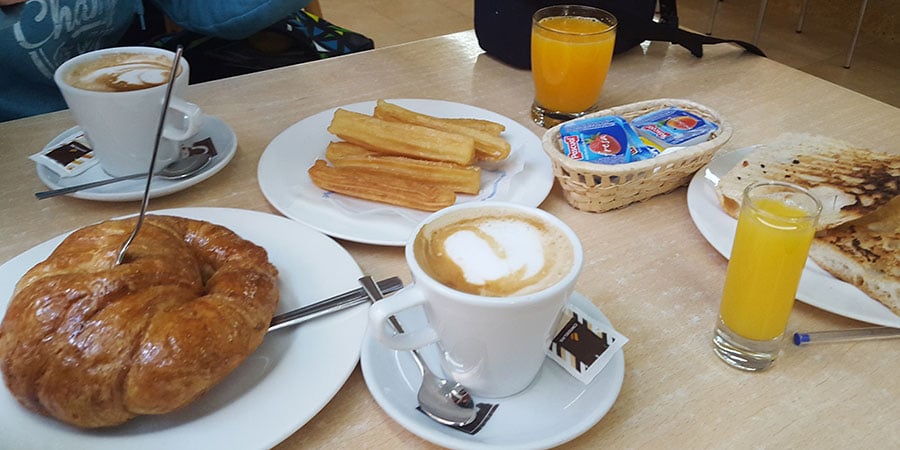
(646, 266)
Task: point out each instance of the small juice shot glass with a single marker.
(775, 228)
(571, 50)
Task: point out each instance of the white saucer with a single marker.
(223, 139)
(555, 409)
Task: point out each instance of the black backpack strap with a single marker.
(692, 41)
(667, 30)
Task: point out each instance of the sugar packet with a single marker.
(583, 346)
(67, 159)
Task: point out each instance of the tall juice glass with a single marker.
(775, 229)
(571, 49)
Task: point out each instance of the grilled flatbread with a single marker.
(850, 181)
(865, 253)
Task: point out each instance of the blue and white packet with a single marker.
(604, 140)
(674, 127)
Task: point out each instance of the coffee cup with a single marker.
(116, 96)
(493, 279)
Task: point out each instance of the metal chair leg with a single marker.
(862, 12)
(802, 15)
(712, 18)
(759, 21)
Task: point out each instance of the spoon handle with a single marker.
(375, 294)
(332, 304)
(78, 187)
(159, 131)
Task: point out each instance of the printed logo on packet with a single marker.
(572, 147)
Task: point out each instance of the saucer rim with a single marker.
(217, 163)
(445, 436)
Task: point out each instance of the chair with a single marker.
(762, 14)
(759, 20)
(859, 23)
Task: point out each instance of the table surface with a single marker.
(646, 266)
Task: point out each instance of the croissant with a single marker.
(94, 344)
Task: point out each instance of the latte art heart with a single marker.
(495, 250)
(502, 254)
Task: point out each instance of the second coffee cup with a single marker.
(116, 96)
(493, 278)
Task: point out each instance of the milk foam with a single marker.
(121, 72)
(502, 248)
(495, 253)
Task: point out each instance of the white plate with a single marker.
(222, 137)
(555, 409)
(284, 181)
(280, 387)
(817, 287)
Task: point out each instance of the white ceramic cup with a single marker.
(493, 345)
(121, 126)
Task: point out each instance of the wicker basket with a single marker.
(600, 187)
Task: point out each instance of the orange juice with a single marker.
(570, 57)
(769, 252)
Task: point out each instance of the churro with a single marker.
(402, 139)
(381, 187)
(487, 146)
(461, 179)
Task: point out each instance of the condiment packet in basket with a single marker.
(68, 158)
(604, 140)
(670, 127)
(583, 346)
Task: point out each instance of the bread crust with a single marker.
(94, 345)
(849, 181)
(865, 253)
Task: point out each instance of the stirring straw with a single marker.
(858, 334)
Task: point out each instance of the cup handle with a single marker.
(191, 118)
(381, 311)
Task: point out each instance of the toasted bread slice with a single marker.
(865, 253)
(850, 181)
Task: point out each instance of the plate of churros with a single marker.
(369, 172)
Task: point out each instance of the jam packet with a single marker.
(671, 127)
(583, 346)
(68, 158)
(604, 140)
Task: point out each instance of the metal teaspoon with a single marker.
(176, 170)
(159, 131)
(444, 401)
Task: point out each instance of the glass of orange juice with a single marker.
(775, 229)
(571, 48)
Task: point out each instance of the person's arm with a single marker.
(10, 2)
(228, 19)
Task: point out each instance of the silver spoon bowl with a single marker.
(179, 169)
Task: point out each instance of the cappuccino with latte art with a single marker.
(120, 72)
(492, 278)
(116, 95)
(496, 253)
